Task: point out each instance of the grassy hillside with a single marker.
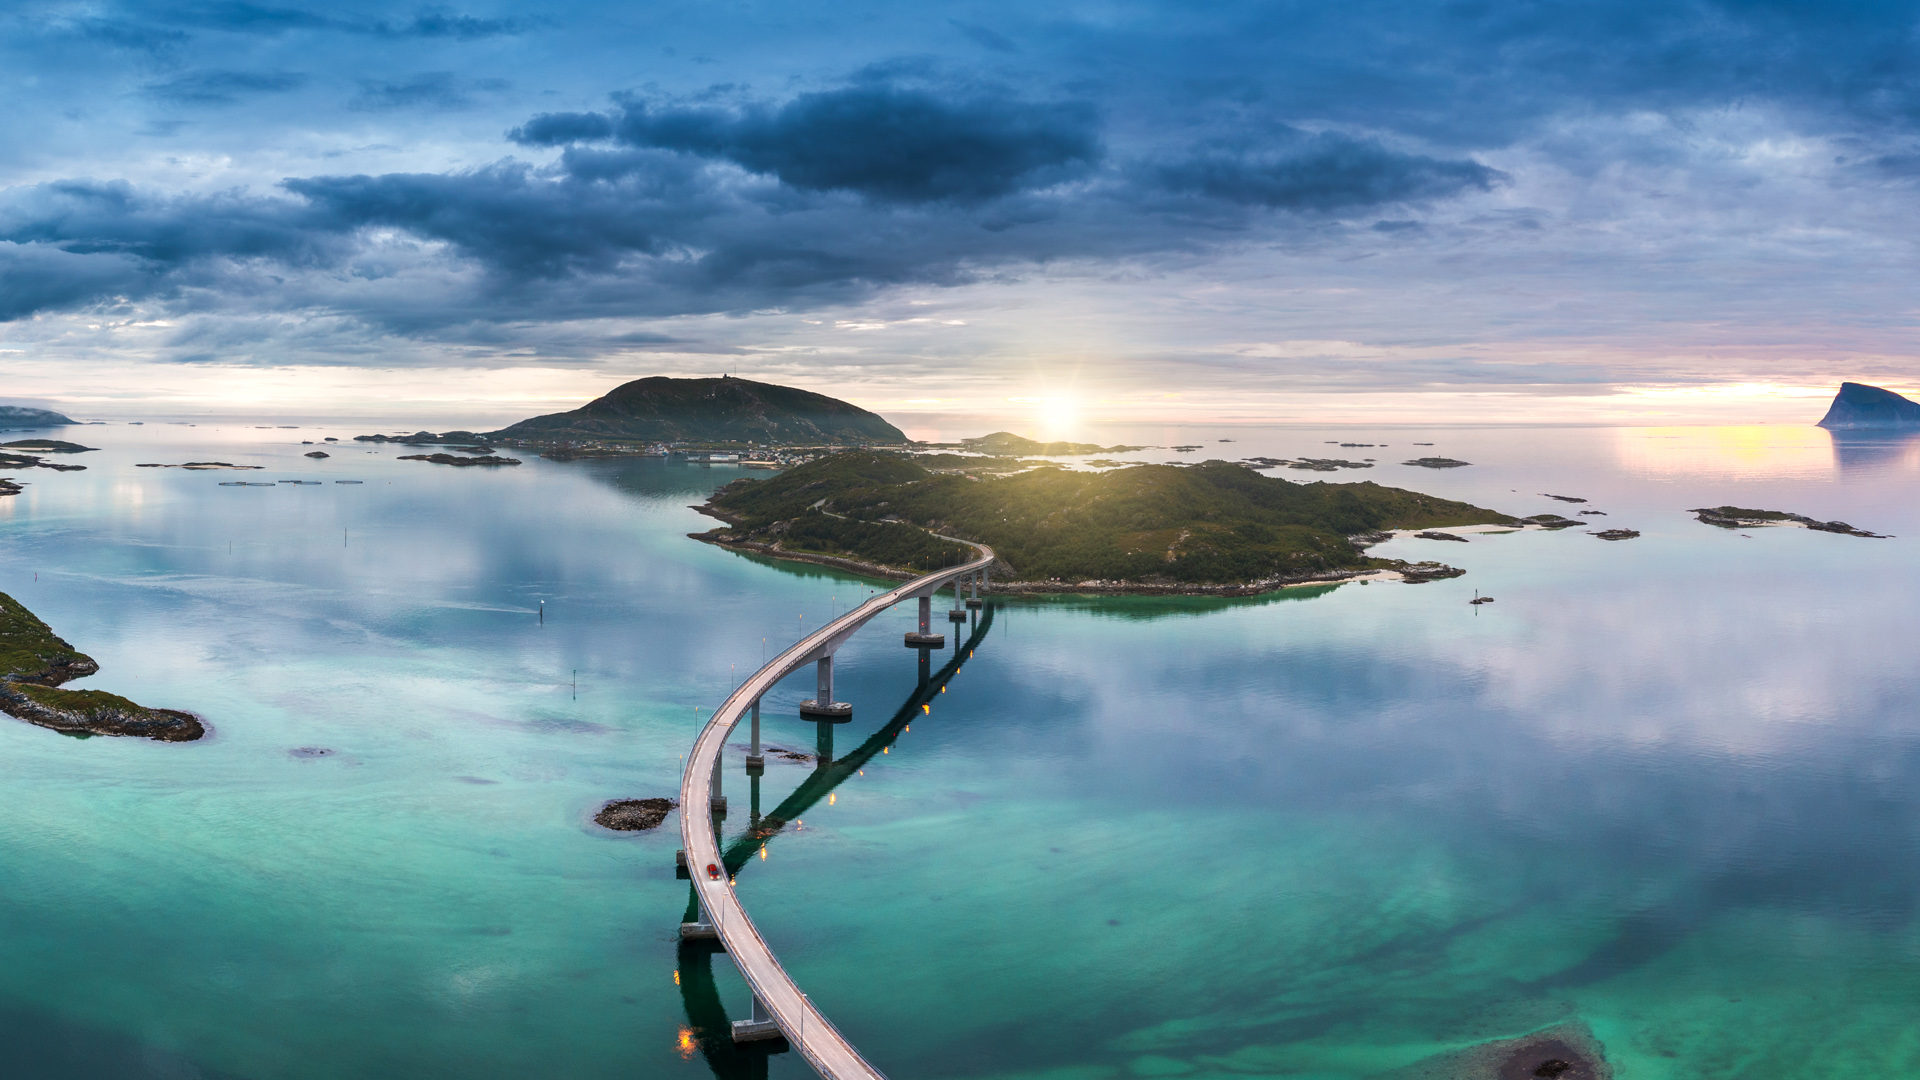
(1215, 523)
(710, 410)
(34, 661)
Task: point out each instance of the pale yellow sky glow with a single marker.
(483, 397)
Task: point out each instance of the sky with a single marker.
(1614, 211)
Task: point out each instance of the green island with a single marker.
(1006, 444)
(34, 661)
(1740, 517)
(1213, 528)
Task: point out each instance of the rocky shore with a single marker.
(95, 712)
(34, 662)
(449, 459)
(1412, 573)
(633, 815)
(1736, 517)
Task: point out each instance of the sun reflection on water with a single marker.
(1752, 452)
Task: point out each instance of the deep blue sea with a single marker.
(1661, 793)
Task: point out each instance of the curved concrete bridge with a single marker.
(777, 1001)
(709, 1026)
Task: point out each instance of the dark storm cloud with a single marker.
(889, 143)
(253, 18)
(84, 217)
(1323, 172)
(678, 209)
(41, 277)
(985, 37)
(503, 216)
(128, 35)
(434, 24)
(1157, 136)
(223, 87)
(427, 90)
(248, 18)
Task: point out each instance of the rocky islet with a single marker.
(34, 661)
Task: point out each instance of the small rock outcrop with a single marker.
(1859, 406)
(199, 466)
(449, 459)
(1737, 517)
(1422, 572)
(633, 815)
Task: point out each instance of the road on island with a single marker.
(805, 1027)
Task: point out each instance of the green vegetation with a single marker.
(48, 446)
(34, 661)
(90, 702)
(1209, 524)
(881, 543)
(726, 409)
(1737, 516)
(31, 652)
(1007, 444)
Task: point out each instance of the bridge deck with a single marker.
(831, 1055)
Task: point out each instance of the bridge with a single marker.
(709, 1028)
(779, 1006)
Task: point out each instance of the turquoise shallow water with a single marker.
(1662, 789)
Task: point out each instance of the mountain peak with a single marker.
(1858, 405)
(726, 409)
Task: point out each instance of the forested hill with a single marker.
(1214, 523)
(711, 410)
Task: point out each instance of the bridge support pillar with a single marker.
(957, 613)
(974, 585)
(702, 928)
(716, 801)
(822, 706)
(823, 745)
(761, 1026)
(755, 761)
(925, 635)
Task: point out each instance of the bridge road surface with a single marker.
(805, 1026)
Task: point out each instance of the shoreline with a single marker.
(1412, 575)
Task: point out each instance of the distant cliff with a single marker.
(1858, 405)
(19, 416)
(711, 410)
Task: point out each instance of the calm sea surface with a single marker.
(1662, 790)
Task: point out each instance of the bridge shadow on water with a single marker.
(709, 1027)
